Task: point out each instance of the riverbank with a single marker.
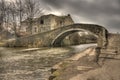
(33, 63)
(84, 66)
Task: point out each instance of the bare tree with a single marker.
(32, 8)
(14, 13)
(17, 11)
(7, 15)
(2, 13)
(20, 9)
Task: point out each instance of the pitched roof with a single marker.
(48, 15)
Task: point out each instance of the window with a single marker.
(61, 23)
(41, 22)
(35, 29)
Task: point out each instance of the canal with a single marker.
(33, 63)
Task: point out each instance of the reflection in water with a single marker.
(79, 48)
(33, 64)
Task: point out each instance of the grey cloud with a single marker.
(102, 12)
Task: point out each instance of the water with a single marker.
(33, 64)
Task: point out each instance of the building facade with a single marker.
(46, 23)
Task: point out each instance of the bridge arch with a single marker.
(54, 37)
(98, 31)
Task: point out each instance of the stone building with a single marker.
(46, 23)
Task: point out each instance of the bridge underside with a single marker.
(57, 42)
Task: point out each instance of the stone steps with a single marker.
(109, 51)
(108, 54)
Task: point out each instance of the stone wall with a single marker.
(114, 41)
(54, 37)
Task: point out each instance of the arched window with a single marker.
(61, 22)
(41, 22)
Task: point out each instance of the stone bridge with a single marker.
(54, 37)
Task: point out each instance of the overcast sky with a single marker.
(102, 12)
